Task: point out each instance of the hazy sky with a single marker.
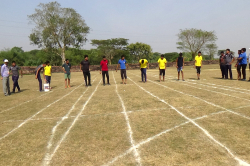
(155, 22)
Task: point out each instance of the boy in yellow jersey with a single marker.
(143, 67)
(47, 73)
(162, 66)
(198, 64)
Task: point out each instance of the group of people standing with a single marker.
(226, 60)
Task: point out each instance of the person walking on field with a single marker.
(143, 67)
(67, 75)
(15, 76)
(180, 66)
(198, 64)
(85, 68)
(243, 59)
(47, 74)
(104, 69)
(123, 63)
(5, 72)
(229, 60)
(223, 64)
(162, 67)
(38, 76)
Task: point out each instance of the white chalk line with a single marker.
(241, 162)
(130, 132)
(50, 156)
(229, 110)
(50, 142)
(28, 119)
(160, 134)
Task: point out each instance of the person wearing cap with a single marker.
(5, 72)
(229, 60)
(15, 76)
(198, 64)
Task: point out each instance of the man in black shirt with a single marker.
(180, 66)
(84, 67)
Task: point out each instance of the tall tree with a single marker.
(211, 49)
(140, 50)
(193, 40)
(57, 28)
(110, 47)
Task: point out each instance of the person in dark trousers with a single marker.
(123, 64)
(38, 76)
(198, 64)
(15, 76)
(243, 58)
(162, 62)
(223, 64)
(238, 66)
(229, 60)
(104, 69)
(180, 66)
(84, 67)
(143, 67)
(67, 75)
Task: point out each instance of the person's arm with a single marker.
(2, 70)
(51, 71)
(177, 63)
(201, 63)
(148, 65)
(183, 64)
(232, 60)
(89, 66)
(37, 72)
(63, 69)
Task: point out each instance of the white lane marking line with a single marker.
(50, 142)
(229, 110)
(25, 102)
(28, 119)
(160, 134)
(241, 162)
(49, 156)
(130, 132)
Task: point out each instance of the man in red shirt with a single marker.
(104, 69)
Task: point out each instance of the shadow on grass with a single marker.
(192, 78)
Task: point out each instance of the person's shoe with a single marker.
(177, 80)
(86, 86)
(183, 80)
(198, 78)
(243, 79)
(69, 86)
(7, 95)
(103, 84)
(89, 85)
(66, 87)
(13, 92)
(109, 84)
(41, 90)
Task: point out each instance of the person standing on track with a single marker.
(198, 64)
(180, 66)
(5, 73)
(243, 58)
(123, 63)
(104, 70)
(143, 67)
(223, 64)
(38, 76)
(162, 67)
(229, 60)
(47, 74)
(15, 76)
(66, 68)
(85, 68)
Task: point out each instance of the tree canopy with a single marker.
(194, 40)
(140, 50)
(57, 28)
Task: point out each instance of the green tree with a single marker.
(171, 57)
(140, 50)
(57, 28)
(193, 40)
(110, 47)
(211, 49)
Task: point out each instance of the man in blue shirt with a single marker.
(5, 72)
(243, 62)
(123, 63)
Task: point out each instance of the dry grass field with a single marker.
(205, 122)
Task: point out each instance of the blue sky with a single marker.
(153, 22)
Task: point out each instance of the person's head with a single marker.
(6, 61)
(47, 63)
(67, 61)
(228, 51)
(199, 53)
(104, 58)
(122, 57)
(162, 56)
(86, 57)
(180, 54)
(222, 53)
(243, 50)
(44, 64)
(13, 63)
(239, 52)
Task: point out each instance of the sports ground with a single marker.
(205, 122)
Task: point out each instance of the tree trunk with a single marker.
(63, 56)
(193, 56)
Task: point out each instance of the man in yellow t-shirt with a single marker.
(162, 66)
(47, 73)
(198, 64)
(143, 67)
